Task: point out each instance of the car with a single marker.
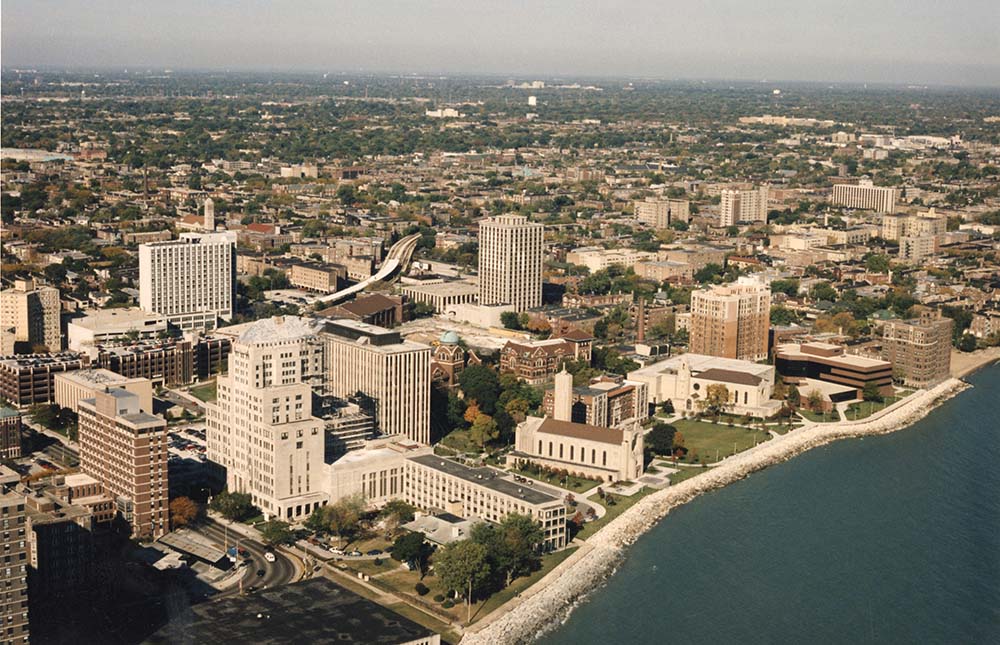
(260, 573)
(374, 552)
(251, 589)
(355, 553)
(334, 550)
(269, 556)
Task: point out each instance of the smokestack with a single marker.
(563, 408)
(641, 333)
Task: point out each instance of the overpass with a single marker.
(395, 262)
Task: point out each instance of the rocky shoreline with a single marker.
(552, 598)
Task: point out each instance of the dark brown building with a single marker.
(29, 379)
(10, 433)
(373, 309)
(169, 363)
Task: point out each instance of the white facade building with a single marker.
(511, 250)
(191, 280)
(736, 206)
(109, 325)
(865, 195)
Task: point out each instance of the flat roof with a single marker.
(182, 541)
(312, 611)
(486, 477)
(116, 316)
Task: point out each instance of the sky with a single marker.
(940, 42)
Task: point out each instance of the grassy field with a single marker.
(685, 473)
(705, 440)
(622, 504)
(205, 391)
(816, 417)
(863, 409)
(460, 441)
(573, 484)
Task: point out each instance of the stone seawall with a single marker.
(569, 582)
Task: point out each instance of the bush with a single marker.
(377, 562)
(439, 597)
(448, 604)
(421, 589)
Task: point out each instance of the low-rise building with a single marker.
(827, 362)
(73, 387)
(29, 379)
(114, 325)
(536, 361)
(610, 454)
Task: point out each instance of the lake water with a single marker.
(888, 539)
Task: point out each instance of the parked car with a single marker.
(269, 556)
(355, 553)
(375, 552)
(334, 550)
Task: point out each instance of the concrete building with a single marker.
(897, 226)
(77, 385)
(114, 325)
(827, 362)
(10, 433)
(684, 380)
(606, 402)
(743, 206)
(865, 196)
(665, 270)
(511, 250)
(390, 377)
(441, 295)
(917, 248)
(261, 429)
(14, 573)
(610, 454)
(731, 321)
(27, 380)
(317, 277)
(596, 258)
(29, 318)
(191, 280)
(125, 449)
(661, 213)
(169, 363)
(919, 349)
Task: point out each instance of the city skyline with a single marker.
(725, 40)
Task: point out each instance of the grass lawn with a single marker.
(573, 484)
(705, 440)
(205, 391)
(863, 409)
(461, 441)
(549, 562)
(622, 504)
(419, 617)
(830, 417)
(685, 473)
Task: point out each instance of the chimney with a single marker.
(641, 333)
(563, 399)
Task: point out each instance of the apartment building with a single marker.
(743, 206)
(29, 317)
(536, 361)
(169, 362)
(191, 280)
(511, 250)
(607, 401)
(731, 321)
(389, 377)
(30, 379)
(317, 277)
(897, 226)
(125, 449)
(917, 248)
(865, 195)
(14, 573)
(661, 213)
(596, 258)
(77, 385)
(919, 349)
(261, 429)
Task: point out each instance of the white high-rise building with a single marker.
(511, 249)
(209, 223)
(865, 195)
(191, 280)
(29, 314)
(261, 428)
(736, 206)
(389, 377)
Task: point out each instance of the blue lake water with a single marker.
(889, 539)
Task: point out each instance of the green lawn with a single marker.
(683, 474)
(829, 417)
(705, 440)
(863, 409)
(549, 562)
(573, 484)
(206, 391)
(622, 504)
(460, 441)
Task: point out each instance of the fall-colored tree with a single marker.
(184, 511)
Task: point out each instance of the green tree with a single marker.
(870, 392)
(660, 440)
(481, 384)
(823, 291)
(463, 566)
(234, 506)
(344, 515)
(783, 315)
(412, 548)
(877, 263)
(789, 287)
(483, 430)
(510, 320)
(968, 343)
(276, 532)
(395, 513)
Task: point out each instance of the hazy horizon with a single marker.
(920, 42)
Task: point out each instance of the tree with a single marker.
(814, 399)
(183, 511)
(716, 399)
(395, 513)
(510, 320)
(823, 291)
(520, 539)
(412, 548)
(482, 384)
(783, 315)
(342, 516)
(789, 287)
(233, 506)
(871, 392)
(660, 440)
(708, 273)
(316, 522)
(463, 565)
(968, 343)
(483, 430)
(276, 532)
(877, 263)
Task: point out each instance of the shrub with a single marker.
(448, 604)
(377, 562)
(421, 589)
(439, 597)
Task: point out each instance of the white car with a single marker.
(334, 550)
(269, 556)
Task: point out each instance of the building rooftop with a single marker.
(486, 477)
(96, 376)
(729, 376)
(279, 328)
(100, 318)
(312, 611)
(581, 431)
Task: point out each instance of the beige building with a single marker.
(661, 213)
(114, 325)
(441, 295)
(865, 196)
(596, 258)
(29, 315)
(917, 248)
(191, 280)
(743, 206)
(317, 277)
(610, 454)
(732, 321)
(664, 270)
(919, 349)
(391, 375)
(73, 387)
(126, 450)
(10, 433)
(14, 573)
(261, 428)
(511, 250)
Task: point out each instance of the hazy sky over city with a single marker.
(905, 41)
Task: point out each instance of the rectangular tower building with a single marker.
(743, 206)
(191, 280)
(14, 573)
(919, 349)
(511, 249)
(29, 315)
(731, 321)
(865, 195)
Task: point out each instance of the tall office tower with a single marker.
(261, 428)
(126, 450)
(510, 262)
(389, 377)
(14, 573)
(919, 349)
(29, 316)
(209, 223)
(661, 213)
(732, 320)
(865, 195)
(736, 206)
(191, 280)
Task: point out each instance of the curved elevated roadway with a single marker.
(395, 263)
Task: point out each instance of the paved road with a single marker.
(280, 572)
